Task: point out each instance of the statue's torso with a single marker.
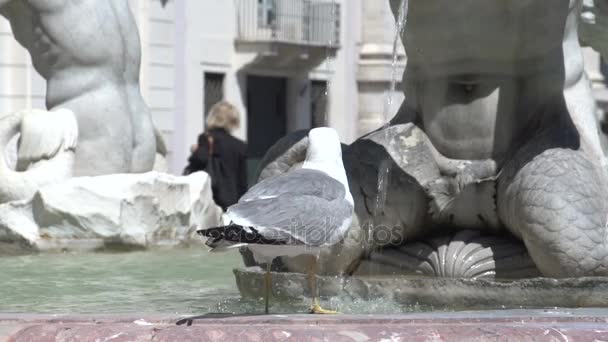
(73, 43)
(480, 72)
(89, 53)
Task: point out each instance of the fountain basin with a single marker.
(141, 295)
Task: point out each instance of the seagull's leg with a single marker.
(314, 291)
(267, 287)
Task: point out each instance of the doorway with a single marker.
(266, 117)
(318, 104)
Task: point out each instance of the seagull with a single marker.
(296, 213)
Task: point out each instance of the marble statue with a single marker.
(82, 177)
(498, 139)
(46, 152)
(89, 53)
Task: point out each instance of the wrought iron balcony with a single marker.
(300, 22)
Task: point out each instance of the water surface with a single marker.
(181, 281)
(167, 281)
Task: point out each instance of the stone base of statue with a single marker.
(126, 211)
(432, 292)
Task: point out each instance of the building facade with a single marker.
(274, 59)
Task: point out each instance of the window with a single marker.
(318, 103)
(266, 13)
(213, 90)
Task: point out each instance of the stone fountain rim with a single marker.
(506, 316)
(421, 278)
(587, 325)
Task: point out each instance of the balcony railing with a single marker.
(303, 22)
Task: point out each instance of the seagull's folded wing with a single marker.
(306, 219)
(299, 182)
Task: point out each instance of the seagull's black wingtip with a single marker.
(239, 234)
(212, 232)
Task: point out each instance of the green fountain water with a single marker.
(193, 281)
(180, 281)
(169, 281)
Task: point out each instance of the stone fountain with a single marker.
(81, 175)
(497, 166)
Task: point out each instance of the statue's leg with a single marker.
(553, 196)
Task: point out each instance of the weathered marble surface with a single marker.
(122, 210)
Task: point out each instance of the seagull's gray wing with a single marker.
(298, 182)
(306, 219)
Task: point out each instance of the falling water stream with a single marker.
(384, 167)
(328, 61)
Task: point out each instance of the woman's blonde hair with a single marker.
(223, 115)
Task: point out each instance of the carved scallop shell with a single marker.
(464, 254)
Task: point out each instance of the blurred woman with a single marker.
(221, 155)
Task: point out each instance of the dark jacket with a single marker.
(228, 167)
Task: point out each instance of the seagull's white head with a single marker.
(323, 145)
(324, 153)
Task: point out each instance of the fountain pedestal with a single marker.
(123, 210)
(426, 293)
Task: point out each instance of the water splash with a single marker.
(384, 167)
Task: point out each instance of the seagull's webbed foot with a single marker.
(312, 283)
(317, 309)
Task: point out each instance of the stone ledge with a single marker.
(438, 293)
(489, 325)
(124, 211)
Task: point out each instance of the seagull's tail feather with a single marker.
(223, 245)
(218, 238)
